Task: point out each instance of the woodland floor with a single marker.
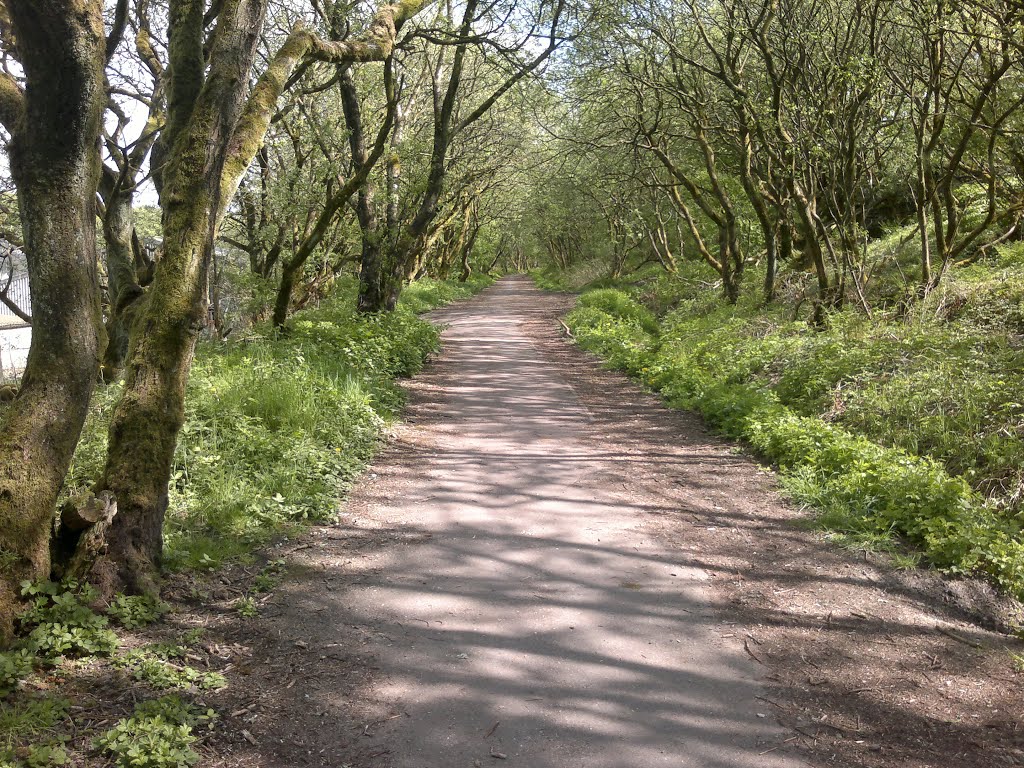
(546, 568)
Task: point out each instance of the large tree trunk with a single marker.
(146, 421)
(54, 155)
(211, 136)
(145, 425)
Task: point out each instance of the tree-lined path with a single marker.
(532, 611)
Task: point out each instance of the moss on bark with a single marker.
(215, 136)
(55, 163)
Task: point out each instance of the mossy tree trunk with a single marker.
(363, 162)
(123, 288)
(54, 125)
(202, 111)
(127, 270)
(214, 129)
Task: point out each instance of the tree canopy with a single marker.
(181, 169)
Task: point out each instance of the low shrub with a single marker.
(159, 734)
(768, 381)
(133, 611)
(60, 622)
(621, 306)
(15, 666)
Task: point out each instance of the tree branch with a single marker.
(375, 44)
(12, 102)
(117, 30)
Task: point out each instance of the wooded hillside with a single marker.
(800, 218)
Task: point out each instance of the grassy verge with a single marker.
(903, 429)
(278, 427)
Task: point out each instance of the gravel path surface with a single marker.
(547, 568)
(540, 620)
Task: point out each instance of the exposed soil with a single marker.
(547, 567)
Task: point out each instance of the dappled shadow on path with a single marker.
(519, 575)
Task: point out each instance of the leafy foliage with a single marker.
(15, 666)
(159, 734)
(810, 402)
(133, 611)
(36, 720)
(152, 665)
(60, 621)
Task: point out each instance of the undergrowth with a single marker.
(159, 734)
(279, 424)
(891, 426)
(277, 427)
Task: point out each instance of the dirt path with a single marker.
(548, 569)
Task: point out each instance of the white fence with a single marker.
(14, 344)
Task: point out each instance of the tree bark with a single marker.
(362, 163)
(54, 153)
(123, 289)
(202, 114)
(212, 134)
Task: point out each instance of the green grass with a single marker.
(427, 294)
(33, 727)
(279, 425)
(887, 427)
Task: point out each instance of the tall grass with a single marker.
(279, 425)
(886, 426)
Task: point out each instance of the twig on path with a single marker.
(769, 701)
(493, 729)
(954, 636)
(746, 647)
(568, 331)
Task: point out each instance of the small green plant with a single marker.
(62, 623)
(191, 637)
(32, 724)
(166, 651)
(152, 665)
(159, 734)
(46, 756)
(269, 577)
(906, 561)
(15, 666)
(1017, 661)
(133, 611)
(247, 608)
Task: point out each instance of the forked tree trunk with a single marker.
(55, 126)
(212, 135)
(123, 289)
(146, 421)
